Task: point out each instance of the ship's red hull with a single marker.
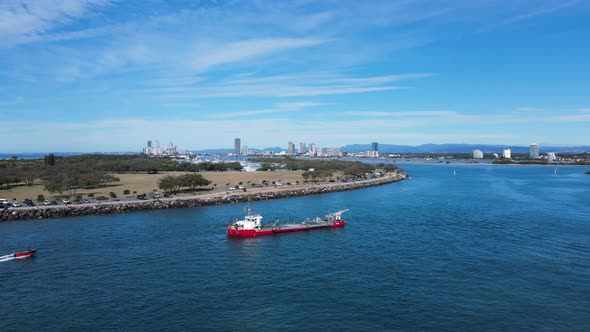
(25, 254)
(253, 233)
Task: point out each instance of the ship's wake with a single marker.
(7, 258)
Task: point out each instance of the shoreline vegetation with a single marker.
(132, 181)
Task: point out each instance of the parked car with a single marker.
(258, 185)
(85, 201)
(142, 196)
(102, 198)
(46, 202)
(28, 202)
(16, 204)
(4, 203)
(66, 201)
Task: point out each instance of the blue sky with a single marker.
(107, 75)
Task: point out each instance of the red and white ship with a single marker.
(25, 254)
(252, 226)
(18, 255)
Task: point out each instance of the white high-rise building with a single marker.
(238, 146)
(551, 157)
(477, 154)
(319, 152)
(291, 148)
(507, 154)
(245, 150)
(372, 154)
(333, 152)
(158, 150)
(534, 151)
(302, 148)
(312, 152)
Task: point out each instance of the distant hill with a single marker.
(461, 148)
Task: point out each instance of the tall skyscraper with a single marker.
(507, 154)
(245, 151)
(311, 151)
(302, 148)
(291, 148)
(374, 146)
(534, 151)
(238, 146)
(149, 144)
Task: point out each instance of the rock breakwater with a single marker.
(196, 201)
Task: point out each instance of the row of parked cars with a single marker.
(4, 203)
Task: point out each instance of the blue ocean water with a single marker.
(490, 248)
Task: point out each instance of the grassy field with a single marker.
(146, 183)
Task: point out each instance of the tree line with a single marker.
(139, 163)
(57, 179)
(322, 168)
(67, 174)
(174, 183)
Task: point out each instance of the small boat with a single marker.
(251, 225)
(25, 254)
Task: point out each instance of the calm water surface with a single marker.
(492, 248)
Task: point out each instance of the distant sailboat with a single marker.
(555, 171)
(454, 172)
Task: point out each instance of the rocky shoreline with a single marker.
(208, 200)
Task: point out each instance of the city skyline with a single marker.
(84, 76)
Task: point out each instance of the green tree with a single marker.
(192, 181)
(63, 179)
(168, 183)
(49, 159)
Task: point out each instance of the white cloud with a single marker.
(529, 109)
(207, 56)
(21, 20)
(542, 10)
(129, 134)
(453, 118)
(401, 114)
(538, 8)
(278, 108)
(288, 85)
